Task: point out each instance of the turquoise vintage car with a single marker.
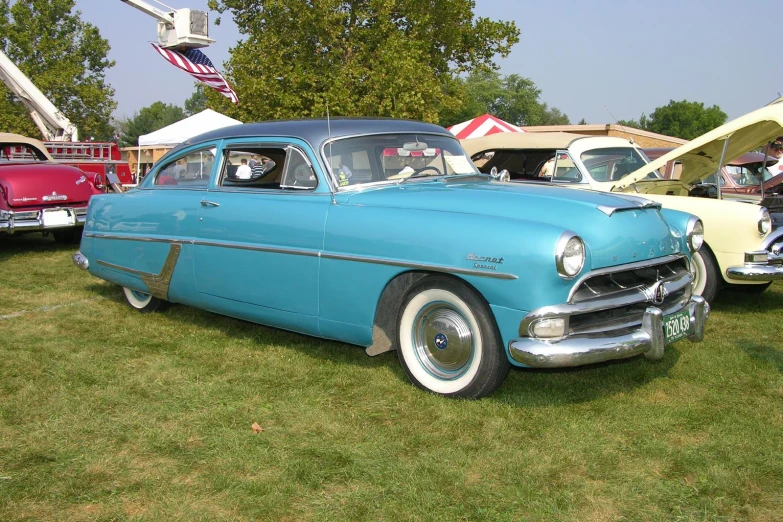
(382, 233)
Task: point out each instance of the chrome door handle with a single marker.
(205, 203)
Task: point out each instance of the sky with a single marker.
(586, 57)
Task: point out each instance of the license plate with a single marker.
(676, 326)
(57, 218)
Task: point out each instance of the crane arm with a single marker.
(144, 7)
(53, 124)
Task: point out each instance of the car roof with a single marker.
(520, 140)
(8, 137)
(317, 130)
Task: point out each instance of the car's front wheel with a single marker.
(705, 274)
(143, 302)
(448, 342)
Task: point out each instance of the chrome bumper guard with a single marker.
(81, 261)
(759, 266)
(31, 220)
(577, 350)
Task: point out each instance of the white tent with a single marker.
(182, 130)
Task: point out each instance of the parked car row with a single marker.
(740, 249)
(391, 235)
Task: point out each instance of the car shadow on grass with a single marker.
(761, 352)
(14, 245)
(523, 386)
(738, 301)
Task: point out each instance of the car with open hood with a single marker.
(741, 248)
(740, 179)
(38, 194)
(381, 233)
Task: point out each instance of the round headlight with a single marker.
(569, 255)
(765, 223)
(695, 234)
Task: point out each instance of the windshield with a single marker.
(20, 152)
(613, 163)
(395, 157)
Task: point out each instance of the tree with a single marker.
(148, 119)
(360, 57)
(681, 119)
(513, 99)
(684, 119)
(197, 101)
(64, 57)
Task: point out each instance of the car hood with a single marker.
(617, 228)
(700, 157)
(27, 184)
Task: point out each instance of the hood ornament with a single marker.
(81, 180)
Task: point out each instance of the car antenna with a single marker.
(630, 138)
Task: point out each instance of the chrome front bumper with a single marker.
(648, 339)
(32, 220)
(759, 266)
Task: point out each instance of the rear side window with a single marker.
(266, 167)
(190, 171)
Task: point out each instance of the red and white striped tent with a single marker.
(482, 126)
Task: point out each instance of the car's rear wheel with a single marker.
(142, 301)
(705, 274)
(448, 342)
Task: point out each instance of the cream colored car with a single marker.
(740, 248)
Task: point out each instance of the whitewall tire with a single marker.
(448, 342)
(142, 301)
(705, 274)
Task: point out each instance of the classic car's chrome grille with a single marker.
(631, 291)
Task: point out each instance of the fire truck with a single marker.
(61, 137)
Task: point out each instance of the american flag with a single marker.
(198, 65)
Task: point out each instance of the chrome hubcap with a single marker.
(443, 340)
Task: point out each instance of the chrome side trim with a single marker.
(622, 268)
(419, 266)
(315, 253)
(158, 284)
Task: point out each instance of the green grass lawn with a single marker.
(107, 414)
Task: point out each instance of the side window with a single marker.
(189, 171)
(563, 168)
(298, 173)
(253, 166)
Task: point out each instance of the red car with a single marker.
(38, 194)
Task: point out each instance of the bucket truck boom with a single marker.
(53, 124)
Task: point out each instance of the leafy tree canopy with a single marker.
(512, 98)
(64, 57)
(197, 101)
(681, 119)
(148, 119)
(361, 57)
